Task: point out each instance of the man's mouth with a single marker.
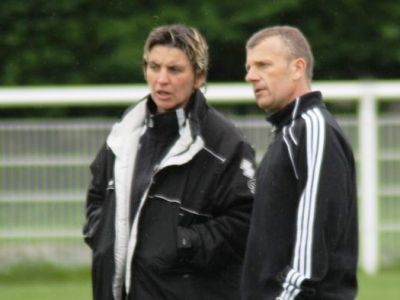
(257, 91)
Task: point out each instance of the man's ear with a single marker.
(299, 68)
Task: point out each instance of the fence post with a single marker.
(368, 130)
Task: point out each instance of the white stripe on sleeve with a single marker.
(302, 259)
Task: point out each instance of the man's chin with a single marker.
(261, 104)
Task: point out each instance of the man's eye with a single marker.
(263, 65)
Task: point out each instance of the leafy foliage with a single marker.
(85, 42)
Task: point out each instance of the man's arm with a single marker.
(325, 176)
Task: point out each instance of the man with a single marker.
(303, 237)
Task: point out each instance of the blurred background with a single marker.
(69, 69)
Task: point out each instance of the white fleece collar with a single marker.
(133, 120)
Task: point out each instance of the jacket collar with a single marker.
(132, 121)
(195, 111)
(190, 141)
(293, 110)
(135, 119)
(169, 123)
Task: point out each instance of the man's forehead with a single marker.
(273, 45)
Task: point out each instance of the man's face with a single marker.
(271, 72)
(170, 77)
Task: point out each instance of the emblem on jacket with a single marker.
(249, 172)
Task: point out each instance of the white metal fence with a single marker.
(44, 165)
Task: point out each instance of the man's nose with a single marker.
(251, 75)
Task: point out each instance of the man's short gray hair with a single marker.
(294, 39)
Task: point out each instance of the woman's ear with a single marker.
(145, 71)
(199, 81)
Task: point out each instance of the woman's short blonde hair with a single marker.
(185, 38)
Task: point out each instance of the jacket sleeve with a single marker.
(95, 194)
(324, 167)
(222, 238)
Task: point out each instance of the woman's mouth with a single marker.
(163, 95)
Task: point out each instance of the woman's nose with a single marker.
(162, 76)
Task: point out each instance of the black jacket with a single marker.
(188, 237)
(303, 236)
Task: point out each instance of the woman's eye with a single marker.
(175, 70)
(154, 67)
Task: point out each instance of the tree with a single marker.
(86, 42)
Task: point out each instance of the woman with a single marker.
(170, 199)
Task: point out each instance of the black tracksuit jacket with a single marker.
(303, 240)
(188, 235)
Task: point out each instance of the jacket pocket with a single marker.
(100, 226)
(156, 246)
(90, 229)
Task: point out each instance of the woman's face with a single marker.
(170, 77)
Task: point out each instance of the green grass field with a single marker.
(46, 282)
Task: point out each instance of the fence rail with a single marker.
(44, 164)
